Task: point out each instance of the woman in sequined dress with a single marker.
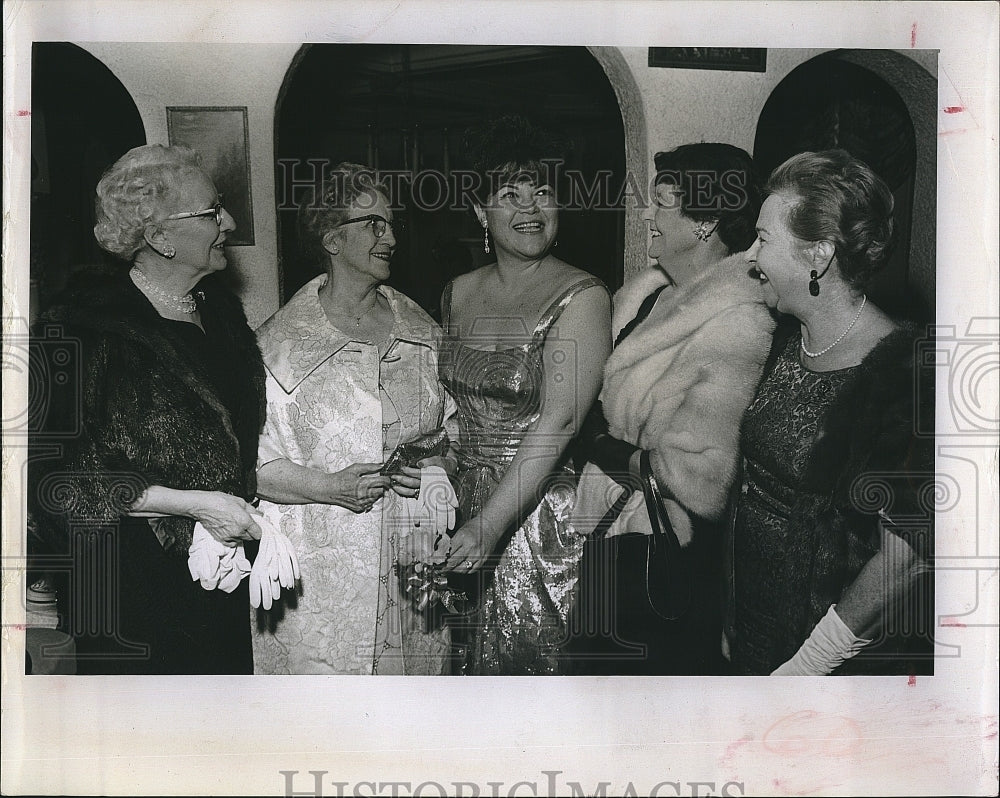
(833, 534)
(525, 342)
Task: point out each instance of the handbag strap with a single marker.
(669, 600)
(663, 530)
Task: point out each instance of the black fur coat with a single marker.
(873, 460)
(116, 406)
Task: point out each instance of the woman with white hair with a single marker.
(146, 411)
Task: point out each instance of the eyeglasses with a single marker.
(215, 210)
(379, 224)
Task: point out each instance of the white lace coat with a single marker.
(324, 411)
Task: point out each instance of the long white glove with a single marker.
(416, 536)
(437, 496)
(830, 644)
(214, 564)
(275, 567)
(428, 516)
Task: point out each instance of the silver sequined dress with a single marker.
(520, 625)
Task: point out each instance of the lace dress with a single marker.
(520, 624)
(780, 429)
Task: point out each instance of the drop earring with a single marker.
(814, 278)
(486, 239)
(168, 251)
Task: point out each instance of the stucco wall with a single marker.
(662, 108)
(161, 75)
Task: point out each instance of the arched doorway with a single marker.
(82, 120)
(880, 107)
(406, 107)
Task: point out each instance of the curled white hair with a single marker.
(140, 186)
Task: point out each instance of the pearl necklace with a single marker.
(182, 304)
(840, 338)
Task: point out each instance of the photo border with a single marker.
(232, 735)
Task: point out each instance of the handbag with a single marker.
(432, 444)
(657, 556)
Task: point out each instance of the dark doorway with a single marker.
(406, 107)
(82, 121)
(828, 103)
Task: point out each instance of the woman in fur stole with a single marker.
(834, 528)
(147, 408)
(692, 337)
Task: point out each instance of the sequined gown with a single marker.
(520, 624)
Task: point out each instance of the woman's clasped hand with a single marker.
(227, 518)
(356, 487)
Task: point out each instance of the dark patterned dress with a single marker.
(520, 623)
(779, 431)
(159, 402)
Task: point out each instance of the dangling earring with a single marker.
(168, 251)
(814, 278)
(486, 239)
(702, 231)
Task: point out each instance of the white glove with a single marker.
(438, 499)
(830, 644)
(426, 518)
(416, 535)
(214, 564)
(275, 567)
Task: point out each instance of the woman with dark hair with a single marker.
(351, 375)
(525, 340)
(833, 534)
(692, 337)
(154, 430)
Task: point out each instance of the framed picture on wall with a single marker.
(731, 59)
(220, 136)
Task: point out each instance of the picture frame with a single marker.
(220, 135)
(732, 59)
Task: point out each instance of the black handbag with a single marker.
(657, 556)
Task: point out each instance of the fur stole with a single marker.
(680, 383)
(135, 412)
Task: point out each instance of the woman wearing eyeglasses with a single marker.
(351, 374)
(147, 407)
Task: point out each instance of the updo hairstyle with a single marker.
(716, 181)
(512, 148)
(837, 198)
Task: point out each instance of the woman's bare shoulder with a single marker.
(560, 276)
(467, 284)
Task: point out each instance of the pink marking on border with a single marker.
(734, 746)
(912, 681)
(24, 112)
(954, 109)
(913, 35)
(952, 622)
